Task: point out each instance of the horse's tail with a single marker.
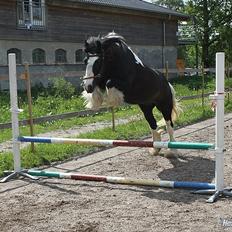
(177, 109)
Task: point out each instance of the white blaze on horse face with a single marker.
(89, 71)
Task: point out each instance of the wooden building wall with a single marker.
(64, 24)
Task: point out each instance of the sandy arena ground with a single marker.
(61, 205)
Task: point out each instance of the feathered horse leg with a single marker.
(171, 153)
(156, 136)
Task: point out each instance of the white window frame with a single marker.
(26, 14)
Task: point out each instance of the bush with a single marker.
(63, 88)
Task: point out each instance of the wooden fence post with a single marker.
(28, 87)
(113, 118)
(166, 70)
(203, 88)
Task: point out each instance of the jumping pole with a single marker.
(124, 180)
(120, 143)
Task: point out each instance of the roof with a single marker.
(138, 5)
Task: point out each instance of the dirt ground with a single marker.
(61, 205)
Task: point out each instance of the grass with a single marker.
(46, 153)
(123, 112)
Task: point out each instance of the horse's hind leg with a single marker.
(156, 134)
(167, 114)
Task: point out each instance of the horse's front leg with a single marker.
(156, 133)
(115, 96)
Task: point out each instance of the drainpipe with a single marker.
(164, 44)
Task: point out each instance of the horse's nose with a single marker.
(89, 89)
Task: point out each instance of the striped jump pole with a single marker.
(123, 180)
(122, 143)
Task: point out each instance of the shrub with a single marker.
(63, 88)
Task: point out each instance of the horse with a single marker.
(115, 75)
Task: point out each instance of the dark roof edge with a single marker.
(172, 12)
(169, 12)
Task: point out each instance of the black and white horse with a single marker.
(115, 74)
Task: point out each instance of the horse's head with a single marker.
(93, 61)
(99, 53)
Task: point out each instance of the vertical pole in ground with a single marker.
(166, 70)
(219, 137)
(14, 111)
(113, 118)
(218, 98)
(28, 87)
(203, 88)
(15, 123)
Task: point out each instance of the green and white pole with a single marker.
(120, 143)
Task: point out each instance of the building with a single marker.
(49, 34)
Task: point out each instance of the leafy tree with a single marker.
(214, 25)
(172, 4)
(211, 18)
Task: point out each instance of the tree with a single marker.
(213, 23)
(211, 17)
(177, 5)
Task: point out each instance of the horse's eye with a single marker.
(85, 60)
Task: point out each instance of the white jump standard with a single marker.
(216, 189)
(218, 97)
(15, 121)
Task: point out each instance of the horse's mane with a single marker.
(111, 36)
(94, 44)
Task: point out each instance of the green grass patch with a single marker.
(122, 112)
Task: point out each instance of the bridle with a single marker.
(95, 76)
(91, 77)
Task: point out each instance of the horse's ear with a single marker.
(85, 46)
(86, 43)
(99, 46)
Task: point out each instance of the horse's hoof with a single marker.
(154, 151)
(172, 154)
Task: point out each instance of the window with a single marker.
(80, 55)
(31, 14)
(38, 56)
(18, 54)
(60, 55)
